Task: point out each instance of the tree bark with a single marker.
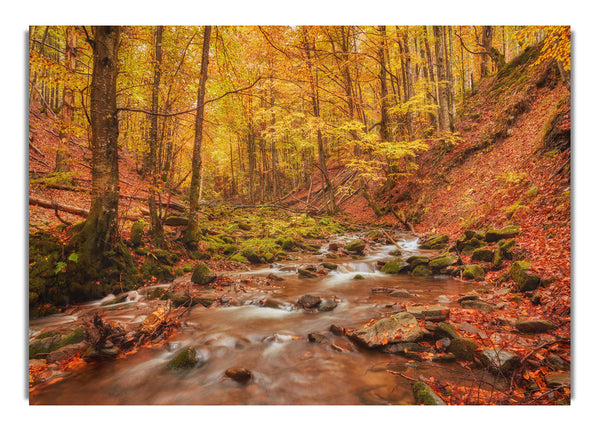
(442, 82)
(191, 234)
(68, 105)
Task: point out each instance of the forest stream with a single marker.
(264, 331)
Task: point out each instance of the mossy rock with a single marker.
(186, 358)
(329, 265)
(435, 242)
(202, 274)
(199, 255)
(251, 254)
(506, 248)
(356, 247)
(424, 395)
(187, 267)
(136, 234)
(445, 330)
(525, 278)
(287, 244)
(268, 257)
(244, 226)
(443, 261)
(417, 260)
(395, 266)
(473, 272)
(165, 257)
(483, 255)
(463, 348)
(506, 232)
(238, 258)
(497, 259)
(358, 277)
(51, 341)
(230, 249)
(421, 271)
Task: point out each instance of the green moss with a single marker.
(435, 242)
(421, 271)
(358, 277)
(473, 272)
(443, 261)
(238, 258)
(186, 358)
(425, 395)
(136, 234)
(526, 279)
(394, 266)
(356, 246)
(483, 254)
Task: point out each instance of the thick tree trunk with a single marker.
(191, 233)
(100, 230)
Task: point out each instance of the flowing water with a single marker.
(271, 341)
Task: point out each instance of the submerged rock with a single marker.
(240, 375)
(401, 327)
(327, 304)
(186, 358)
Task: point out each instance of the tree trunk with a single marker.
(68, 105)
(385, 120)
(100, 230)
(435, 118)
(191, 234)
(156, 227)
(441, 79)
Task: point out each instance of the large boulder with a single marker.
(421, 271)
(416, 260)
(526, 279)
(401, 327)
(473, 272)
(202, 274)
(435, 242)
(445, 330)
(483, 254)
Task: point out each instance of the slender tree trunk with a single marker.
(68, 105)
(430, 75)
(155, 222)
(384, 127)
(191, 234)
(441, 79)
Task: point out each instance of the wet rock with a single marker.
(337, 329)
(401, 327)
(425, 395)
(445, 357)
(473, 272)
(526, 279)
(274, 303)
(66, 352)
(404, 348)
(435, 242)
(443, 299)
(463, 348)
(305, 273)
(501, 361)
(440, 262)
(534, 325)
(445, 330)
(478, 305)
(471, 296)
(394, 266)
(421, 271)
(358, 277)
(433, 313)
(506, 232)
(309, 301)
(202, 275)
(327, 304)
(378, 290)
(334, 246)
(274, 277)
(100, 353)
(186, 358)
(343, 346)
(356, 247)
(329, 265)
(557, 363)
(240, 375)
(315, 337)
(417, 259)
(401, 293)
(483, 254)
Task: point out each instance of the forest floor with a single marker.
(500, 173)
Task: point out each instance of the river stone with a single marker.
(499, 360)
(356, 247)
(417, 259)
(463, 348)
(343, 345)
(434, 313)
(435, 242)
(483, 254)
(424, 395)
(202, 274)
(534, 325)
(445, 330)
(443, 261)
(526, 279)
(309, 301)
(421, 271)
(186, 358)
(241, 375)
(401, 293)
(506, 232)
(497, 259)
(67, 351)
(401, 327)
(334, 246)
(394, 266)
(315, 337)
(473, 272)
(329, 265)
(305, 273)
(327, 304)
(478, 305)
(403, 348)
(554, 380)
(470, 296)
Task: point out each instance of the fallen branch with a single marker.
(57, 206)
(390, 238)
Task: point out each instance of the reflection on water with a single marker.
(272, 343)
